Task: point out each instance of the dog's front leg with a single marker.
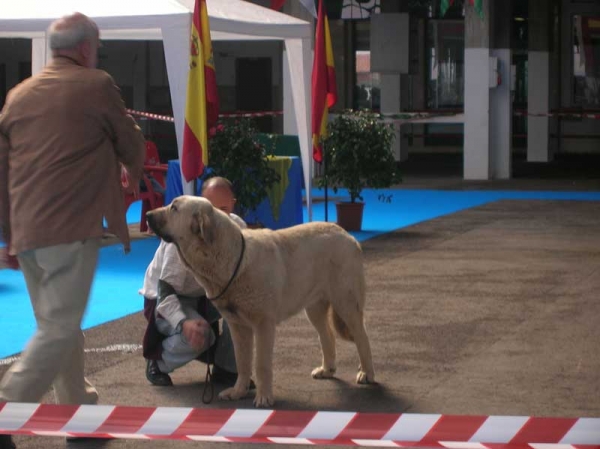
(265, 341)
(242, 337)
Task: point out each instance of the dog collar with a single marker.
(237, 267)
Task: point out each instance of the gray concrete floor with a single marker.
(492, 310)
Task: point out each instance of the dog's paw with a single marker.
(263, 400)
(232, 394)
(364, 378)
(322, 373)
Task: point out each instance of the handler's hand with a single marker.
(195, 332)
(127, 183)
(6, 260)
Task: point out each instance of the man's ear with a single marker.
(85, 48)
(202, 227)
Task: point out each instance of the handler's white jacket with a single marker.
(167, 266)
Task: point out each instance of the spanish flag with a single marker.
(324, 91)
(202, 102)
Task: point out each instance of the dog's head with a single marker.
(187, 220)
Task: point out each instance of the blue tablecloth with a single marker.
(290, 210)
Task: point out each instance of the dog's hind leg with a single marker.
(317, 315)
(354, 320)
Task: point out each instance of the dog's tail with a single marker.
(340, 327)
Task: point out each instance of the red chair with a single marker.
(152, 163)
(151, 199)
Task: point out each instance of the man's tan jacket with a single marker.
(63, 133)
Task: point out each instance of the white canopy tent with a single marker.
(170, 21)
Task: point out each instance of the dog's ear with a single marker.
(202, 227)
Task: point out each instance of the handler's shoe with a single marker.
(156, 376)
(6, 442)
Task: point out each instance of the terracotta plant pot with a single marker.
(350, 215)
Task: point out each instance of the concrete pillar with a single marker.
(391, 103)
(420, 80)
(476, 158)
(500, 96)
(539, 148)
(394, 88)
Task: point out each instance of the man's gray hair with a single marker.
(68, 32)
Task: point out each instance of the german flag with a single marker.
(324, 90)
(202, 102)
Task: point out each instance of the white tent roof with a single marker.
(229, 19)
(170, 21)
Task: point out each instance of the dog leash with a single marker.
(237, 267)
(208, 392)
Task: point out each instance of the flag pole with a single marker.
(326, 185)
(324, 92)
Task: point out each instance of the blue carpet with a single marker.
(114, 292)
(119, 277)
(408, 207)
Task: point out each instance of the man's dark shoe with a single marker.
(86, 442)
(6, 442)
(222, 376)
(156, 376)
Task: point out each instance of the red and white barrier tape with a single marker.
(404, 116)
(301, 427)
(524, 113)
(166, 118)
(250, 114)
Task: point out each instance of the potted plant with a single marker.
(236, 154)
(357, 155)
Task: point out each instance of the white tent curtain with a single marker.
(299, 50)
(170, 20)
(177, 55)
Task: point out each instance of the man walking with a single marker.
(63, 135)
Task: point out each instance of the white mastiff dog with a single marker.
(258, 278)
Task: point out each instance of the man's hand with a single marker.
(127, 183)
(196, 333)
(6, 260)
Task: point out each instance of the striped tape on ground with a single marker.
(301, 427)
